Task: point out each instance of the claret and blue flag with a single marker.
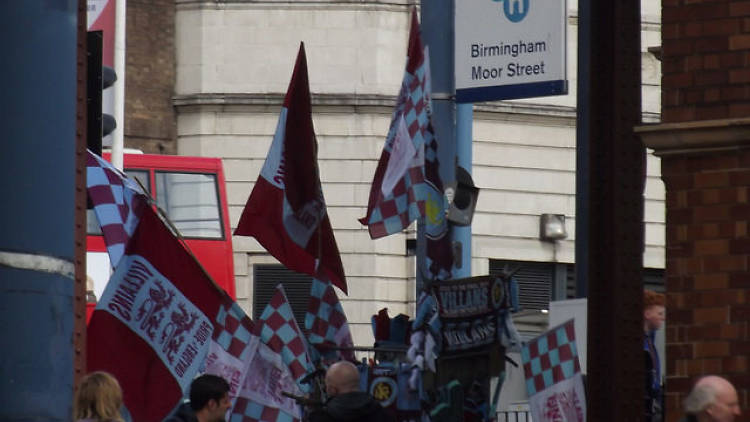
(407, 183)
(553, 376)
(398, 192)
(325, 321)
(286, 211)
(278, 329)
(118, 201)
(161, 321)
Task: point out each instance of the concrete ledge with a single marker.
(696, 137)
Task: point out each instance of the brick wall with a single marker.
(706, 76)
(705, 59)
(150, 122)
(707, 270)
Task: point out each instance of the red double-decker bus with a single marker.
(191, 191)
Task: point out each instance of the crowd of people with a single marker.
(99, 397)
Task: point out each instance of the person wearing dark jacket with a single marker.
(209, 401)
(346, 403)
(653, 319)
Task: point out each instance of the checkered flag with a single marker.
(326, 323)
(246, 410)
(233, 333)
(233, 329)
(553, 376)
(398, 192)
(117, 200)
(279, 330)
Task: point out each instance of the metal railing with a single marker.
(513, 416)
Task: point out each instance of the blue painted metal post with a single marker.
(437, 34)
(452, 123)
(37, 169)
(462, 235)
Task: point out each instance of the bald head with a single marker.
(342, 377)
(713, 399)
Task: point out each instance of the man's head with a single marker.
(713, 399)
(209, 398)
(653, 310)
(342, 377)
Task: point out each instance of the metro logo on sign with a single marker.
(515, 10)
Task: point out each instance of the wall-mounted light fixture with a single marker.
(552, 227)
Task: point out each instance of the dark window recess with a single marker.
(296, 286)
(534, 281)
(570, 281)
(411, 247)
(653, 279)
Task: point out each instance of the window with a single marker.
(141, 176)
(296, 285)
(191, 201)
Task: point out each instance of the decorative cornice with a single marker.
(276, 99)
(696, 136)
(296, 4)
(377, 103)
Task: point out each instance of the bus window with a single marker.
(141, 176)
(191, 201)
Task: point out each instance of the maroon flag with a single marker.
(286, 211)
(154, 323)
(162, 320)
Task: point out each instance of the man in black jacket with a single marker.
(209, 401)
(346, 403)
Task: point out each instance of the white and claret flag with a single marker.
(325, 321)
(553, 376)
(278, 329)
(118, 202)
(398, 192)
(161, 317)
(286, 211)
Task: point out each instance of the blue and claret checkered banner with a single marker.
(553, 376)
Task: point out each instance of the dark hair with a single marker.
(205, 388)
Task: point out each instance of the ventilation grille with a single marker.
(534, 281)
(296, 286)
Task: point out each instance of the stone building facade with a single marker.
(232, 61)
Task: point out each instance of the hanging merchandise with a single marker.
(469, 310)
(506, 330)
(390, 386)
